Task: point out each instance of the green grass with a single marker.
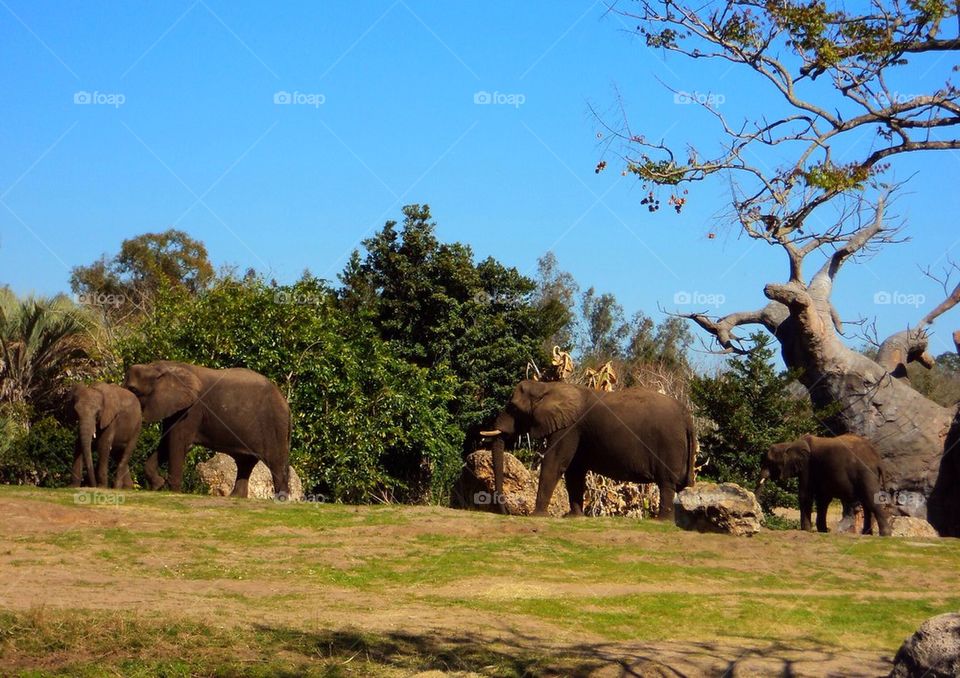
(608, 580)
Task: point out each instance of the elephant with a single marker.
(845, 467)
(109, 414)
(236, 411)
(635, 435)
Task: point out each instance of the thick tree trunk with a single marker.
(916, 437)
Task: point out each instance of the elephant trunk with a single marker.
(498, 498)
(86, 433)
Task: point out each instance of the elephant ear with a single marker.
(555, 407)
(796, 457)
(175, 389)
(109, 405)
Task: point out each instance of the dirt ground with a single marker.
(61, 556)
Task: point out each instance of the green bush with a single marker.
(367, 424)
(40, 454)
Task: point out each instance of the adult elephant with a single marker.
(109, 415)
(235, 411)
(634, 435)
(846, 467)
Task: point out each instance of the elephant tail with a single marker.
(692, 449)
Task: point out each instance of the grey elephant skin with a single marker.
(634, 435)
(235, 411)
(846, 467)
(110, 416)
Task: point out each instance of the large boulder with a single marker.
(933, 651)
(475, 487)
(908, 526)
(219, 473)
(726, 508)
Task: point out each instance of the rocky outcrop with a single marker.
(907, 526)
(725, 508)
(474, 489)
(607, 497)
(932, 652)
(219, 473)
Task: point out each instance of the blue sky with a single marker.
(185, 131)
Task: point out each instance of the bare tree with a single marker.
(790, 43)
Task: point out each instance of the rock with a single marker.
(907, 526)
(219, 473)
(474, 489)
(726, 508)
(607, 497)
(854, 524)
(933, 651)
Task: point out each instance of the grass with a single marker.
(220, 587)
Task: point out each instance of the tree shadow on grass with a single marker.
(514, 654)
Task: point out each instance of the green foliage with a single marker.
(135, 274)
(751, 408)
(44, 342)
(941, 383)
(366, 422)
(443, 312)
(41, 454)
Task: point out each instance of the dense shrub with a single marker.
(367, 424)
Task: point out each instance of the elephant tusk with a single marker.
(762, 481)
(491, 434)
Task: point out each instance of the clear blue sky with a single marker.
(386, 116)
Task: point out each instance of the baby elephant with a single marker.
(846, 467)
(108, 416)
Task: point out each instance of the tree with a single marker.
(131, 278)
(604, 327)
(784, 170)
(749, 406)
(44, 344)
(443, 311)
(556, 297)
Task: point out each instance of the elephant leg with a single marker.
(823, 503)
(281, 479)
(667, 493)
(806, 508)
(178, 440)
(76, 472)
(561, 449)
(123, 480)
(245, 464)
(873, 507)
(575, 478)
(104, 447)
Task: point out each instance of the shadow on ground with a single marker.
(514, 654)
